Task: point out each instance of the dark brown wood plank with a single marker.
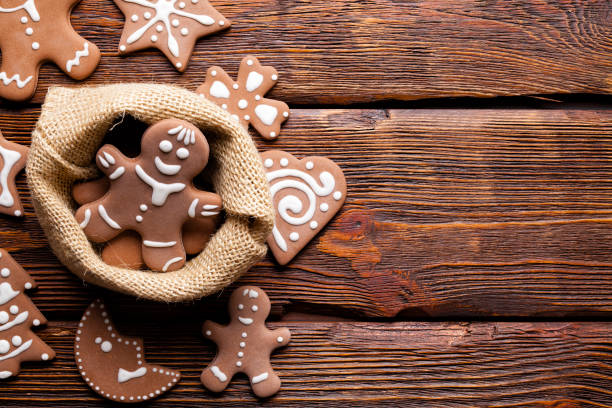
(336, 364)
(449, 213)
(347, 51)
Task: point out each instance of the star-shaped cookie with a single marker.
(33, 32)
(244, 99)
(172, 26)
(13, 158)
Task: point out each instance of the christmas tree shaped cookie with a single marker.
(17, 315)
(13, 158)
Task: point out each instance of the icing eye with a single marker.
(165, 146)
(182, 153)
(240, 306)
(254, 308)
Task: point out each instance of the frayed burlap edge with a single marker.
(71, 127)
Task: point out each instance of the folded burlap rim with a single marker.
(69, 132)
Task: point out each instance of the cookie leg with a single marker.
(98, 225)
(218, 374)
(264, 380)
(164, 256)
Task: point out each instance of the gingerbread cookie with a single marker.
(113, 365)
(13, 157)
(33, 32)
(153, 194)
(172, 26)
(306, 195)
(245, 345)
(244, 99)
(17, 314)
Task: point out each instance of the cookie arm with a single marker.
(280, 337)
(203, 204)
(111, 161)
(18, 74)
(77, 57)
(213, 331)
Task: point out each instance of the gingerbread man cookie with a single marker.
(172, 26)
(113, 365)
(245, 345)
(244, 99)
(33, 32)
(153, 194)
(125, 250)
(13, 157)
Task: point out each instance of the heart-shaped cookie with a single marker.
(306, 195)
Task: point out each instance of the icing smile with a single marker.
(245, 320)
(167, 169)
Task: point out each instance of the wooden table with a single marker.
(470, 265)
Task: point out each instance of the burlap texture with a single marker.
(68, 134)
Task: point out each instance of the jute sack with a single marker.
(72, 125)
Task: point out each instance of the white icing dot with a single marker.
(29, 31)
(36, 322)
(224, 106)
(240, 354)
(272, 134)
(24, 20)
(165, 146)
(238, 363)
(249, 62)
(147, 15)
(221, 23)
(242, 344)
(106, 346)
(153, 38)
(240, 306)
(175, 22)
(143, 207)
(208, 332)
(337, 195)
(244, 335)
(324, 207)
(213, 73)
(16, 340)
(5, 272)
(98, 340)
(184, 31)
(35, 45)
(28, 285)
(14, 309)
(314, 224)
(235, 86)
(257, 97)
(254, 308)
(242, 104)
(106, 321)
(159, 28)
(4, 317)
(110, 328)
(247, 117)
(286, 114)
(284, 162)
(274, 77)
(139, 218)
(4, 346)
(182, 4)
(154, 369)
(279, 339)
(268, 163)
(194, 1)
(182, 153)
(18, 213)
(138, 355)
(309, 165)
(137, 348)
(134, 18)
(294, 236)
(179, 65)
(122, 48)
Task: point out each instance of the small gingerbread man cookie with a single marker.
(153, 194)
(245, 344)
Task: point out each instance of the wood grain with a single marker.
(362, 364)
(349, 51)
(457, 213)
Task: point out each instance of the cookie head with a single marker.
(249, 304)
(174, 148)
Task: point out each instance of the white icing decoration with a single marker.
(10, 158)
(175, 130)
(279, 339)
(209, 213)
(324, 207)
(244, 335)
(163, 10)
(158, 244)
(268, 163)
(183, 153)
(161, 191)
(17, 351)
(29, 8)
(4, 346)
(165, 146)
(266, 113)
(192, 207)
(125, 375)
(167, 169)
(242, 104)
(16, 340)
(5, 374)
(309, 165)
(253, 294)
(240, 306)
(235, 86)
(14, 309)
(77, 58)
(219, 90)
(290, 202)
(108, 157)
(254, 308)
(259, 378)
(4, 317)
(44, 356)
(284, 162)
(87, 218)
(20, 318)
(210, 207)
(103, 162)
(242, 344)
(337, 195)
(170, 262)
(254, 80)
(238, 363)
(5, 272)
(245, 320)
(294, 236)
(104, 215)
(106, 346)
(143, 207)
(35, 45)
(117, 173)
(7, 293)
(313, 225)
(29, 31)
(218, 373)
(98, 340)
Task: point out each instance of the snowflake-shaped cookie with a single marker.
(36, 31)
(244, 99)
(172, 26)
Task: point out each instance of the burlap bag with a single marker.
(70, 131)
